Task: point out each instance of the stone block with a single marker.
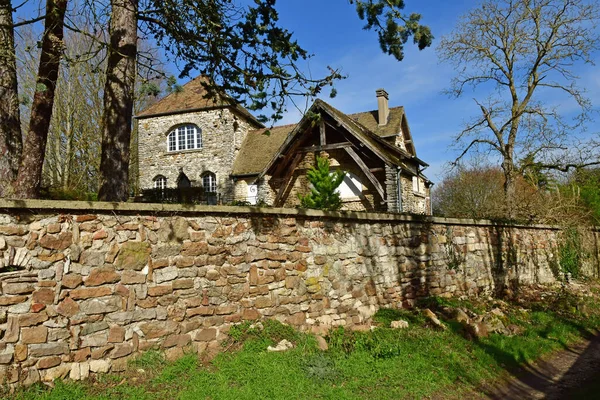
(44, 296)
(49, 362)
(38, 334)
(101, 305)
(99, 366)
(87, 293)
(177, 341)
(132, 277)
(17, 288)
(160, 290)
(68, 307)
(116, 334)
(206, 335)
(133, 256)
(11, 300)
(56, 242)
(100, 276)
(32, 319)
(48, 349)
(121, 350)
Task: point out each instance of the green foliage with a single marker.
(67, 194)
(571, 252)
(323, 195)
(588, 182)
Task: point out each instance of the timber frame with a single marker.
(325, 131)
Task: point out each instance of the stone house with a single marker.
(186, 139)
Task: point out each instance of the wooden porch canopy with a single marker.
(324, 128)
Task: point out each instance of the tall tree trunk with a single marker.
(11, 141)
(118, 101)
(510, 186)
(29, 178)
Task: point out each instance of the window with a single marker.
(184, 137)
(418, 185)
(160, 182)
(209, 182)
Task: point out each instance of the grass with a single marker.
(416, 362)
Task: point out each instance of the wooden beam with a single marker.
(366, 171)
(322, 138)
(326, 147)
(286, 179)
(377, 169)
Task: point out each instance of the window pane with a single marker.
(198, 138)
(172, 143)
(181, 138)
(190, 136)
(209, 182)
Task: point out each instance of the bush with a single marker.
(323, 195)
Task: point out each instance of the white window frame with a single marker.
(160, 182)
(209, 182)
(184, 137)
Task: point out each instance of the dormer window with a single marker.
(184, 137)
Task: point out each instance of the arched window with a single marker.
(209, 182)
(185, 137)
(160, 182)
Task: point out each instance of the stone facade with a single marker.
(104, 282)
(222, 134)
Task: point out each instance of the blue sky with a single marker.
(331, 30)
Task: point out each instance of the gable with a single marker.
(192, 97)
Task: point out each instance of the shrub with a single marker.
(323, 195)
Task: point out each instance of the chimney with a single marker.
(382, 106)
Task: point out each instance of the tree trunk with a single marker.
(510, 187)
(118, 101)
(30, 171)
(11, 141)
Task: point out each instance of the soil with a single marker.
(572, 373)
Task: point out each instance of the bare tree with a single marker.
(524, 49)
(10, 125)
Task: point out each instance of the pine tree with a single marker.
(323, 195)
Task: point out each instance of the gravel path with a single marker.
(573, 373)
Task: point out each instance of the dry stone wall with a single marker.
(103, 282)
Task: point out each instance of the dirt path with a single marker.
(573, 373)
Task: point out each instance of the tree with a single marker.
(11, 141)
(525, 50)
(118, 101)
(241, 50)
(323, 194)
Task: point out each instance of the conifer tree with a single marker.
(323, 195)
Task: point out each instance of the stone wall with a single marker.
(222, 135)
(103, 282)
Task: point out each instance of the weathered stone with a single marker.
(101, 352)
(153, 330)
(88, 293)
(17, 288)
(85, 217)
(322, 343)
(82, 355)
(48, 362)
(433, 318)
(100, 276)
(32, 319)
(121, 350)
(166, 274)
(11, 334)
(44, 296)
(101, 305)
(10, 230)
(160, 290)
(57, 334)
(183, 284)
(250, 314)
(79, 371)
(95, 340)
(133, 256)
(194, 248)
(296, 319)
(71, 281)
(57, 242)
(177, 340)
(206, 335)
(116, 334)
(93, 327)
(51, 258)
(48, 349)
(132, 277)
(400, 324)
(263, 302)
(92, 258)
(68, 307)
(283, 345)
(99, 366)
(20, 352)
(37, 334)
(11, 300)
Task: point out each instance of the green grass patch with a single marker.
(416, 362)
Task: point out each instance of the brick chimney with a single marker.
(382, 106)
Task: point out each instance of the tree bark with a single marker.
(29, 177)
(11, 141)
(510, 186)
(118, 101)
